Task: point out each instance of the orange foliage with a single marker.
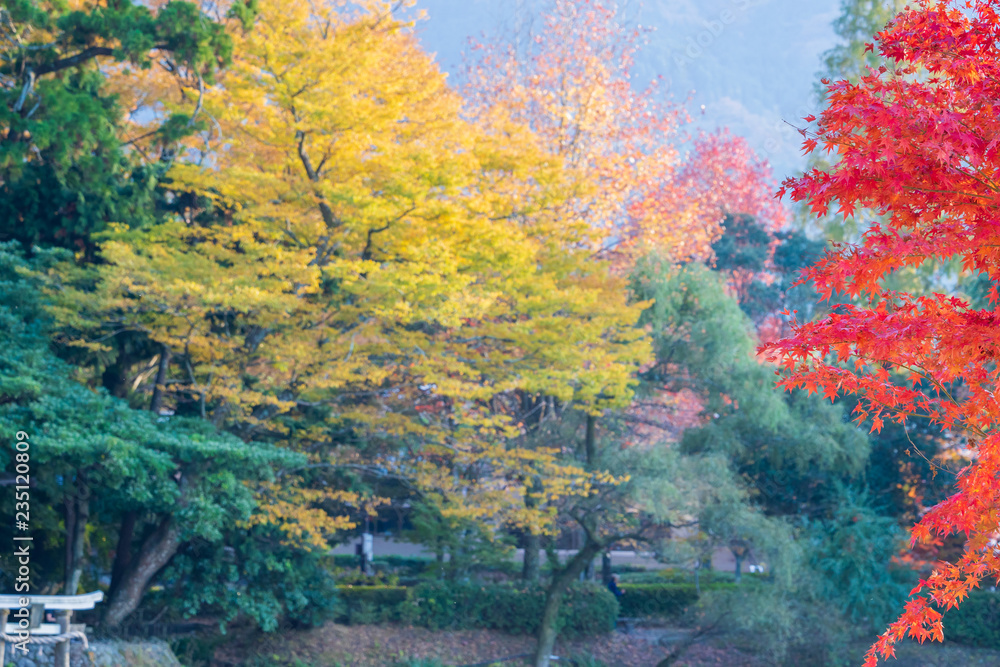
(664, 416)
(572, 88)
(722, 175)
(917, 141)
(572, 85)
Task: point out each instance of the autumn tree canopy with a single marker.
(915, 142)
(280, 272)
(349, 252)
(634, 186)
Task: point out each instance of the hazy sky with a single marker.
(751, 63)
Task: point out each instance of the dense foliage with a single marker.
(267, 277)
(181, 480)
(915, 144)
(587, 609)
(976, 622)
(640, 600)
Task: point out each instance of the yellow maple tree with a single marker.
(351, 242)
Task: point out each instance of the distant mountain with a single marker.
(751, 63)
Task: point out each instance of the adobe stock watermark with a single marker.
(714, 28)
(22, 540)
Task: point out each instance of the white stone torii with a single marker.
(59, 633)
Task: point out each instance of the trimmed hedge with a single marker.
(976, 622)
(656, 599)
(401, 564)
(380, 596)
(640, 600)
(586, 609)
(706, 577)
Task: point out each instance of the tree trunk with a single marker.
(553, 598)
(530, 414)
(156, 403)
(739, 566)
(69, 504)
(532, 541)
(606, 567)
(123, 552)
(591, 439)
(156, 552)
(78, 513)
(532, 545)
(678, 650)
(115, 376)
(700, 633)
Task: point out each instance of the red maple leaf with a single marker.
(916, 142)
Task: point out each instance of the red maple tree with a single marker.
(723, 174)
(917, 142)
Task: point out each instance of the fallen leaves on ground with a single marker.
(381, 645)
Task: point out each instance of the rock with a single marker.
(149, 653)
(103, 653)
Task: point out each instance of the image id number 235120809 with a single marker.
(22, 538)
(22, 512)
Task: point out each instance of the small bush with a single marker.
(589, 610)
(364, 612)
(976, 622)
(362, 605)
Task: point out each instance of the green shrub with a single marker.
(629, 569)
(586, 609)
(408, 612)
(358, 578)
(705, 577)
(657, 599)
(647, 577)
(344, 561)
(400, 565)
(362, 605)
(976, 622)
(363, 612)
(589, 609)
(405, 564)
